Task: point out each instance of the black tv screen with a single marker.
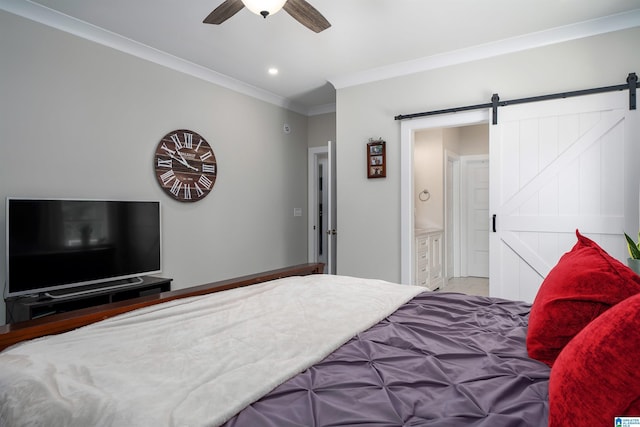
(61, 243)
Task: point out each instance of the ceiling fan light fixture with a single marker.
(264, 7)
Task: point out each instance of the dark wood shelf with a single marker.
(20, 309)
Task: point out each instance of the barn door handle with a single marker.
(493, 222)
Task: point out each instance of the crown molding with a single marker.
(556, 35)
(46, 16)
(322, 109)
(82, 29)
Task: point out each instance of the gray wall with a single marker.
(322, 128)
(369, 210)
(80, 120)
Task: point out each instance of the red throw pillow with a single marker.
(596, 377)
(585, 282)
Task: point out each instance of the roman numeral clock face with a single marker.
(185, 165)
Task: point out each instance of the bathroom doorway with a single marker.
(451, 193)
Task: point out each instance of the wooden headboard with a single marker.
(16, 332)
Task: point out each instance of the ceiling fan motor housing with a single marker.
(300, 10)
(264, 7)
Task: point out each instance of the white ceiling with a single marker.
(368, 39)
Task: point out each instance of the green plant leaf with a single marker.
(634, 251)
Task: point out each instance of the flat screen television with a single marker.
(56, 244)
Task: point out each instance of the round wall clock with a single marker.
(185, 165)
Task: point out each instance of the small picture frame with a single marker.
(376, 161)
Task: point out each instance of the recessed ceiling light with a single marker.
(273, 71)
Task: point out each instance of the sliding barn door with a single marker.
(557, 166)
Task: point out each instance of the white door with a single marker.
(557, 166)
(331, 209)
(476, 173)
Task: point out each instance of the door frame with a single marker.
(452, 214)
(315, 156)
(408, 128)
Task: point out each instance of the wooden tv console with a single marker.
(20, 309)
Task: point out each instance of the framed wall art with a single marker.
(376, 159)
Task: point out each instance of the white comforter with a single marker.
(191, 362)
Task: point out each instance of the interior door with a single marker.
(331, 209)
(477, 226)
(557, 166)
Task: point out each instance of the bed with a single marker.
(287, 347)
(308, 350)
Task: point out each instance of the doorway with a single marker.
(322, 207)
(458, 195)
(409, 129)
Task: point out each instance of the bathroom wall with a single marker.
(428, 158)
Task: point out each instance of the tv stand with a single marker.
(34, 307)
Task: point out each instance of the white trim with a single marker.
(322, 109)
(408, 128)
(407, 217)
(71, 25)
(452, 191)
(607, 24)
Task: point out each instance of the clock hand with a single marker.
(184, 162)
(177, 159)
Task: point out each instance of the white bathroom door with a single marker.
(476, 170)
(557, 166)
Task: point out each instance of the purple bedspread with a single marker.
(442, 359)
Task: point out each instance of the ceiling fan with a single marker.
(300, 10)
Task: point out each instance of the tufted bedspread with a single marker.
(442, 359)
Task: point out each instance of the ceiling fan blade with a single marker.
(307, 15)
(223, 12)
